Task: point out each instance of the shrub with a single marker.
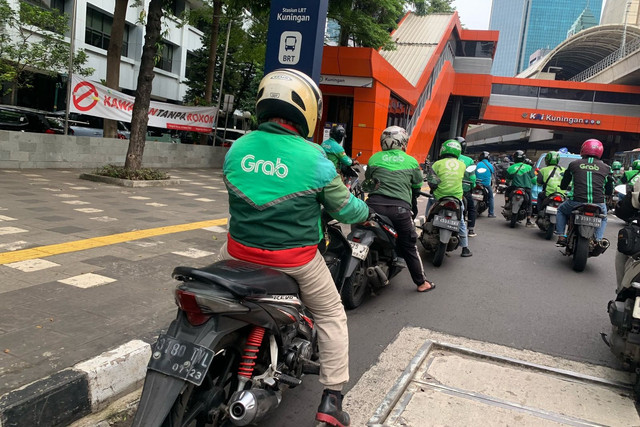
(142, 174)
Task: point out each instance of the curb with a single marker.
(129, 182)
(75, 392)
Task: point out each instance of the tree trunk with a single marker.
(140, 114)
(113, 59)
(211, 64)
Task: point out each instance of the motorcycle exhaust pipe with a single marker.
(249, 406)
(377, 275)
(604, 244)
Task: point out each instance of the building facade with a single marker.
(93, 21)
(615, 10)
(528, 25)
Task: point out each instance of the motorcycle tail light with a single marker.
(519, 192)
(588, 213)
(356, 239)
(450, 205)
(503, 180)
(591, 210)
(188, 303)
(557, 199)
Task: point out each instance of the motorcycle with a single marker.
(546, 221)
(501, 185)
(241, 337)
(352, 177)
(440, 230)
(624, 311)
(480, 196)
(515, 208)
(581, 244)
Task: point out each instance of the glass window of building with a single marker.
(98, 31)
(48, 4)
(165, 57)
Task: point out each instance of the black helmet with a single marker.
(518, 156)
(337, 133)
(484, 155)
(463, 143)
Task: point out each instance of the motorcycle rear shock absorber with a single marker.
(250, 353)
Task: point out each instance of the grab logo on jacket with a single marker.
(266, 167)
(392, 159)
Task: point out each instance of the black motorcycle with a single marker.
(581, 242)
(480, 196)
(516, 207)
(547, 213)
(440, 230)
(241, 337)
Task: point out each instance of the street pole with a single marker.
(224, 64)
(72, 41)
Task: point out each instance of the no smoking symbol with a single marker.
(82, 95)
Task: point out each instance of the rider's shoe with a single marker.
(562, 241)
(466, 252)
(330, 410)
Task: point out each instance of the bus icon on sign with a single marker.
(290, 44)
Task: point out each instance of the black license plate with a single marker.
(180, 359)
(592, 221)
(446, 223)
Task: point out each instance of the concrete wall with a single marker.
(21, 150)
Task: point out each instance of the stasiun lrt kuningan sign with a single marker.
(554, 118)
(97, 100)
(296, 36)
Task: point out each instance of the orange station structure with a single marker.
(370, 90)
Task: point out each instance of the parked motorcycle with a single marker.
(241, 337)
(440, 230)
(353, 176)
(624, 311)
(516, 208)
(546, 221)
(480, 196)
(581, 242)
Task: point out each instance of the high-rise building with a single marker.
(528, 25)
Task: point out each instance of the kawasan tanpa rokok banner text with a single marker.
(95, 99)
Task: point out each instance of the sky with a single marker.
(474, 14)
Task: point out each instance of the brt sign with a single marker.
(296, 36)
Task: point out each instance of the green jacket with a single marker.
(553, 182)
(520, 175)
(336, 153)
(468, 161)
(398, 172)
(450, 172)
(277, 183)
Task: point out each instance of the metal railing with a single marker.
(614, 57)
(447, 55)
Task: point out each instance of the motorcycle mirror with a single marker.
(359, 154)
(471, 169)
(481, 170)
(371, 184)
(622, 189)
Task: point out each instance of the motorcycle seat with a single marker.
(241, 278)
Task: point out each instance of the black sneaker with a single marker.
(562, 241)
(471, 233)
(466, 252)
(330, 409)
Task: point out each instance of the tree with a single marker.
(366, 23)
(32, 38)
(140, 116)
(438, 6)
(113, 58)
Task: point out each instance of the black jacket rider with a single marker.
(590, 180)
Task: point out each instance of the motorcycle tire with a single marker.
(514, 219)
(580, 253)
(222, 373)
(548, 234)
(355, 287)
(438, 256)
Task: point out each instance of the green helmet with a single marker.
(451, 147)
(635, 165)
(616, 166)
(552, 158)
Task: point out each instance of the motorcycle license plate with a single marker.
(551, 210)
(358, 250)
(447, 224)
(592, 221)
(478, 197)
(636, 309)
(180, 359)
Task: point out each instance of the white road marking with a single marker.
(87, 280)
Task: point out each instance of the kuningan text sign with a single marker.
(97, 100)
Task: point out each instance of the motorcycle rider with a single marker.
(549, 177)
(277, 223)
(485, 178)
(520, 174)
(469, 205)
(334, 150)
(633, 175)
(450, 171)
(616, 172)
(590, 183)
(397, 195)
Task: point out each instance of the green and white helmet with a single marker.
(616, 166)
(635, 165)
(451, 147)
(394, 138)
(552, 158)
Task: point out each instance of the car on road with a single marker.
(22, 119)
(565, 159)
(226, 136)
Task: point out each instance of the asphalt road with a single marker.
(516, 290)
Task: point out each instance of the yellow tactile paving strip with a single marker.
(96, 242)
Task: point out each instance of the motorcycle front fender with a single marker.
(160, 391)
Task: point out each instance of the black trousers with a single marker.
(407, 238)
(470, 208)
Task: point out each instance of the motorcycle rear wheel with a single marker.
(188, 409)
(580, 253)
(548, 234)
(514, 219)
(438, 256)
(355, 287)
